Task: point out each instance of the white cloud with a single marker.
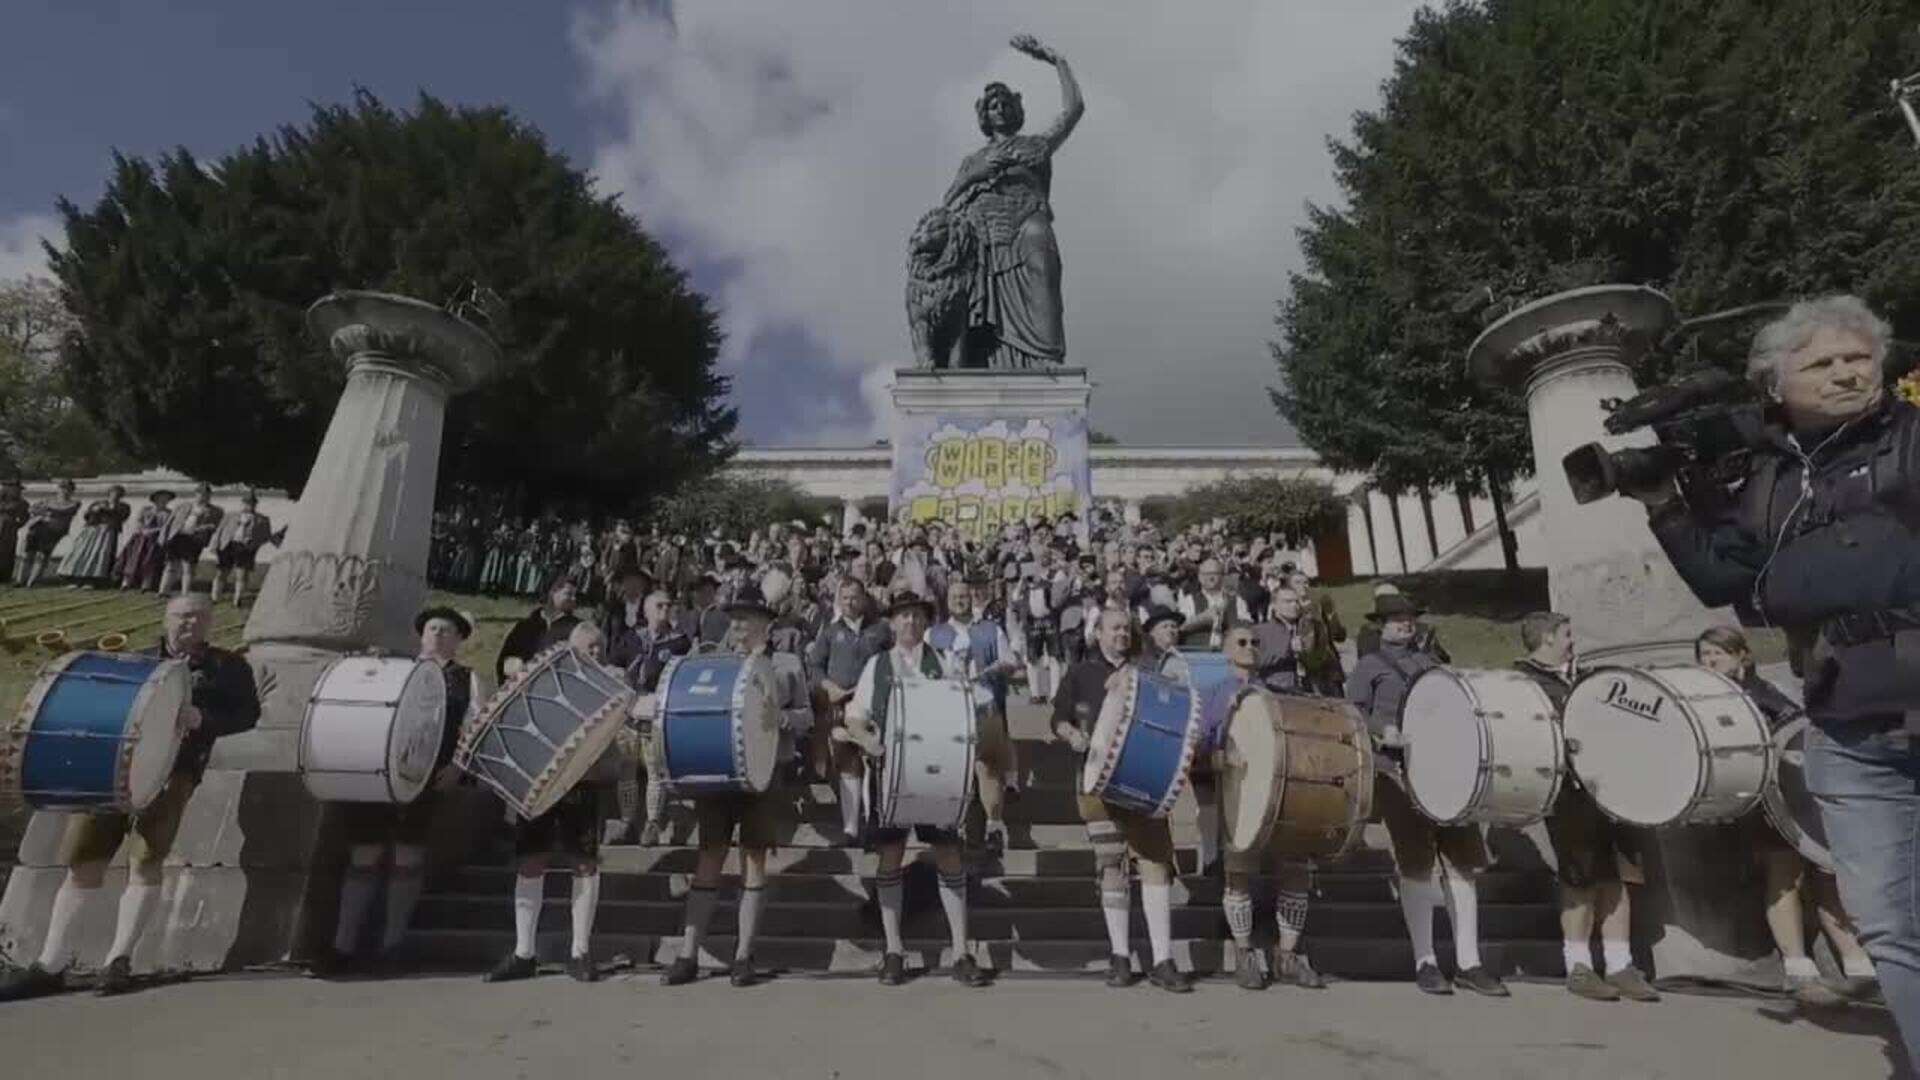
(20, 251)
(796, 144)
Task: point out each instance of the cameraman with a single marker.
(1822, 539)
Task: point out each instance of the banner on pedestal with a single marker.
(975, 472)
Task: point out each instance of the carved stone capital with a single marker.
(1622, 321)
(334, 601)
(414, 336)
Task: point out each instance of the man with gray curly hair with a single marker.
(1822, 538)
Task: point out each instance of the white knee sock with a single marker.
(699, 913)
(850, 803)
(1801, 967)
(403, 893)
(1861, 968)
(1417, 901)
(1463, 910)
(1209, 825)
(586, 900)
(1617, 954)
(1157, 901)
(953, 897)
(528, 894)
(356, 896)
(752, 899)
(67, 905)
(1238, 904)
(1113, 905)
(136, 903)
(890, 902)
(1576, 954)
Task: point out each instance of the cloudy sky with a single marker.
(783, 150)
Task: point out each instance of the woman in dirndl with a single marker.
(1789, 875)
(139, 564)
(48, 522)
(90, 560)
(528, 560)
(469, 543)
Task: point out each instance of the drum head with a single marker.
(156, 731)
(1634, 745)
(1788, 804)
(1108, 728)
(564, 699)
(1440, 722)
(1252, 775)
(759, 721)
(418, 720)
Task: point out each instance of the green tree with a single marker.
(1726, 153)
(190, 282)
(736, 505)
(43, 434)
(1296, 508)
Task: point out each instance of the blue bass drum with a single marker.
(718, 724)
(1200, 669)
(98, 732)
(1143, 745)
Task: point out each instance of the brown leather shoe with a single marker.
(1632, 985)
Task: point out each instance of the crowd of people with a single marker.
(161, 550)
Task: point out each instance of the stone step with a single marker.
(1016, 862)
(1498, 886)
(474, 950)
(852, 918)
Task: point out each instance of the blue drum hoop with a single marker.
(1213, 665)
(737, 781)
(120, 798)
(1122, 738)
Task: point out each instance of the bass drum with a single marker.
(1788, 805)
(1482, 747)
(926, 777)
(1668, 745)
(1298, 775)
(372, 730)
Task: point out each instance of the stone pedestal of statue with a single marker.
(251, 866)
(977, 448)
(1700, 911)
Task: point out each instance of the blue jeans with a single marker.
(1866, 777)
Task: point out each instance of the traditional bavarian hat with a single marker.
(749, 601)
(441, 611)
(1156, 615)
(1394, 605)
(907, 601)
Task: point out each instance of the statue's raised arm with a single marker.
(1072, 105)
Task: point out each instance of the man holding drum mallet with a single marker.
(835, 660)
(570, 830)
(543, 628)
(981, 651)
(658, 642)
(1116, 832)
(372, 828)
(1253, 670)
(866, 714)
(224, 702)
(755, 815)
(1597, 857)
(1377, 687)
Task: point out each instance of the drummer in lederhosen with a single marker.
(658, 641)
(867, 716)
(569, 831)
(757, 817)
(1420, 846)
(1789, 875)
(980, 650)
(544, 627)
(372, 829)
(1254, 667)
(1161, 630)
(1597, 857)
(224, 702)
(1115, 832)
(835, 660)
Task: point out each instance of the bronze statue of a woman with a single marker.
(990, 246)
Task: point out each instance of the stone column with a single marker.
(1571, 352)
(254, 869)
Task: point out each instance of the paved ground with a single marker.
(432, 1027)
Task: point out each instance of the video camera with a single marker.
(1706, 430)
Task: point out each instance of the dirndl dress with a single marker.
(91, 558)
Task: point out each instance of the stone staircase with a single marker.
(1033, 909)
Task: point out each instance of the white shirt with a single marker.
(1190, 608)
(905, 662)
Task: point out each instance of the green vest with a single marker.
(883, 681)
